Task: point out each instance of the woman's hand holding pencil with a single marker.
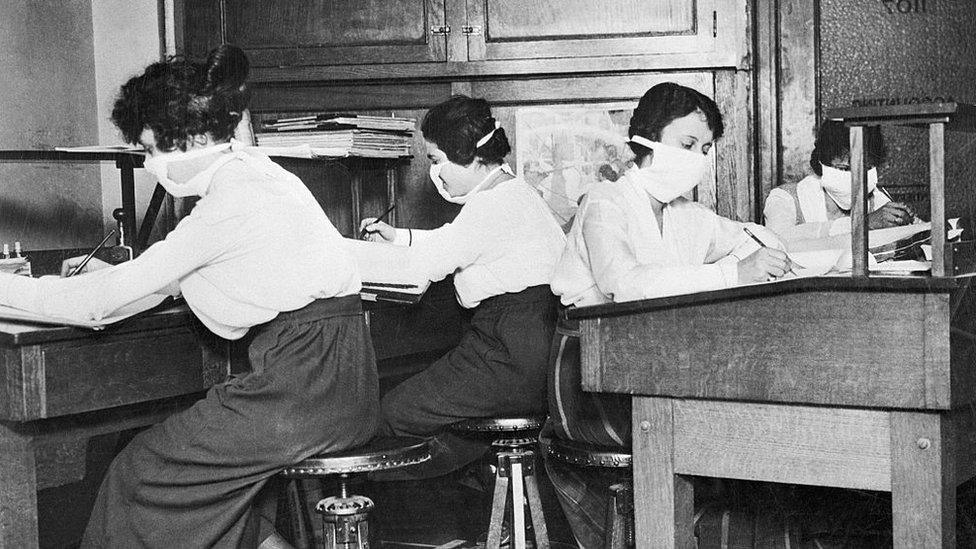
(76, 265)
(763, 264)
(373, 228)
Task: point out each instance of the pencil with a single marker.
(754, 237)
(763, 244)
(380, 218)
(90, 255)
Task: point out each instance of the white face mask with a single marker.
(837, 184)
(158, 166)
(673, 171)
(435, 177)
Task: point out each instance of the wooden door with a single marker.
(515, 29)
(288, 33)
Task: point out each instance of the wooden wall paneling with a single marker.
(784, 62)
(766, 71)
(200, 29)
(798, 95)
(734, 173)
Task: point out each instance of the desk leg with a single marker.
(923, 480)
(18, 490)
(663, 501)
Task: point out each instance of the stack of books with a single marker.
(337, 135)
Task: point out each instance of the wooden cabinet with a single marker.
(305, 40)
(515, 29)
(302, 32)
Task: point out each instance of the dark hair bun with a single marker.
(225, 70)
(179, 99)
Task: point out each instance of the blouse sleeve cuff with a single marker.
(729, 268)
(404, 237)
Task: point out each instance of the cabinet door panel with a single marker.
(337, 32)
(514, 29)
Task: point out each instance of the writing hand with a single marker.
(377, 231)
(763, 264)
(892, 214)
(93, 264)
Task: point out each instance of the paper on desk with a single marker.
(814, 262)
(138, 306)
(386, 269)
(876, 238)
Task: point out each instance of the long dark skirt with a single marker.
(190, 481)
(574, 414)
(498, 368)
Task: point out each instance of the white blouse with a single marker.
(256, 244)
(781, 211)
(504, 240)
(615, 251)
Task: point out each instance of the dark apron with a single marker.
(190, 481)
(498, 369)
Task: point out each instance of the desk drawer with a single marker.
(105, 371)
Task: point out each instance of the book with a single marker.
(136, 307)
(132, 149)
(388, 272)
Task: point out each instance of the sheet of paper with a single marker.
(385, 266)
(138, 306)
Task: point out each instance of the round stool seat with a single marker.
(588, 455)
(378, 454)
(500, 425)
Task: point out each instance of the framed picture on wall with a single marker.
(562, 151)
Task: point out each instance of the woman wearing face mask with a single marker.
(820, 204)
(257, 254)
(501, 248)
(640, 238)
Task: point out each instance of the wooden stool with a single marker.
(620, 508)
(513, 443)
(345, 523)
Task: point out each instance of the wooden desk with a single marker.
(66, 385)
(851, 382)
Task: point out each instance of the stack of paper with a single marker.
(331, 135)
